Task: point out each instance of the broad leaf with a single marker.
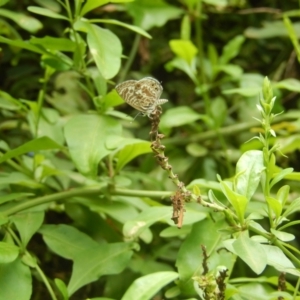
(8, 252)
(128, 26)
(238, 201)
(42, 143)
(283, 236)
(276, 258)
(54, 43)
(231, 49)
(184, 49)
(94, 262)
(66, 241)
(86, 137)
(92, 4)
(133, 228)
(249, 169)
(14, 196)
(148, 14)
(189, 259)
(179, 116)
(147, 286)
(15, 281)
(62, 288)
(132, 148)
(46, 12)
(293, 207)
(104, 46)
(24, 21)
(27, 224)
(251, 252)
(280, 176)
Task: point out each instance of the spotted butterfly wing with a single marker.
(142, 94)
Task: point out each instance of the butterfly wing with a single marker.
(126, 90)
(143, 95)
(147, 91)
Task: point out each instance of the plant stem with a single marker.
(296, 289)
(41, 273)
(130, 59)
(46, 282)
(66, 195)
(228, 130)
(40, 102)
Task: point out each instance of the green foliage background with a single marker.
(85, 209)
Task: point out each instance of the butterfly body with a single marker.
(142, 94)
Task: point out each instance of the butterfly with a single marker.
(142, 94)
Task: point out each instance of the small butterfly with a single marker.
(142, 94)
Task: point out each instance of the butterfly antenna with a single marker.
(135, 117)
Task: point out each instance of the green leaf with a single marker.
(131, 149)
(3, 219)
(185, 28)
(291, 84)
(42, 143)
(15, 281)
(66, 241)
(86, 137)
(232, 70)
(29, 260)
(246, 92)
(283, 194)
(92, 4)
(128, 26)
(104, 46)
(8, 253)
(275, 206)
(137, 225)
(182, 65)
(290, 144)
(249, 169)
(292, 34)
(62, 288)
(106, 49)
(118, 210)
(172, 231)
(92, 263)
(147, 286)
(268, 30)
(10, 103)
(276, 258)
(292, 208)
(133, 228)
(14, 196)
(147, 14)
(184, 49)
(179, 116)
(26, 22)
(196, 150)
(54, 43)
(19, 179)
(111, 99)
(238, 201)
(189, 259)
(46, 12)
(231, 49)
(3, 2)
(258, 227)
(251, 252)
(283, 236)
(219, 111)
(280, 176)
(27, 224)
(23, 45)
